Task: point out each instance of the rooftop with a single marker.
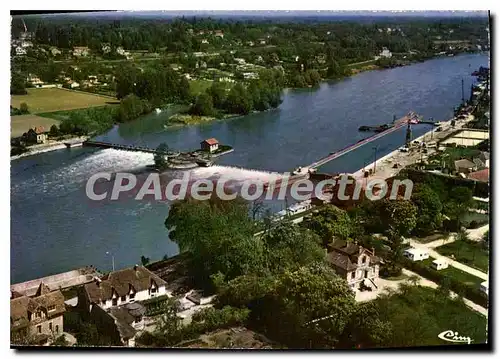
(137, 278)
(211, 141)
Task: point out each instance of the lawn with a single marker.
(457, 274)
(22, 123)
(55, 99)
(199, 86)
(468, 253)
(419, 315)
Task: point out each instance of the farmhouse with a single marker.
(210, 145)
(36, 135)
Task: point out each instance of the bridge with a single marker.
(118, 146)
(409, 118)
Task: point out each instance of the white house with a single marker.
(210, 145)
(80, 51)
(122, 287)
(439, 264)
(385, 53)
(416, 254)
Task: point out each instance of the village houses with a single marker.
(38, 318)
(113, 301)
(81, 51)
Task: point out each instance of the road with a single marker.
(431, 245)
(385, 286)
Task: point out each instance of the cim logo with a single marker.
(453, 337)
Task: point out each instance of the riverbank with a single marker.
(50, 145)
(383, 167)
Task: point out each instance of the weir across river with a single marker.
(411, 117)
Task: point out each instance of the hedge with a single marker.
(480, 189)
(468, 291)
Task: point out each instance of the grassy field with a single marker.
(54, 99)
(471, 254)
(22, 123)
(199, 86)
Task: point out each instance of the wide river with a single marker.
(55, 228)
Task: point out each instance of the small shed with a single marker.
(210, 145)
(439, 264)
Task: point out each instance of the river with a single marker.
(55, 228)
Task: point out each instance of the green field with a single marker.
(55, 99)
(199, 86)
(22, 123)
(469, 253)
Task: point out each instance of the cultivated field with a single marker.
(54, 99)
(22, 123)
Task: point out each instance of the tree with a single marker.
(160, 156)
(54, 130)
(203, 105)
(218, 235)
(131, 107)
(144, 260)
(429, 209)
(400, 216)
(308, 308)
(331, 222)
(238, 100)
(18, 84)
(23, 107)
(288, 246)
(218, 93)
(459, 201)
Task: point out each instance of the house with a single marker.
(80, 51)
(385, 53)
(465, 166)
(439, 264)
(120, 324)
(204, 41)
(219, 33)
(121, 287)
(356, 264)
(416, 254)
(210, 145)
(38, 318)
(36, 135)
(481, 176)
(34, 80)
